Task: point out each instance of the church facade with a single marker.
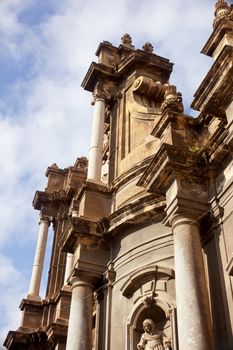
(142, 255)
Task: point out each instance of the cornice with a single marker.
(91, 233)
(98, 71)
(167, 163)
(173, 118)
(130, 174)
(223, 27)
(27, 339)
(95, 187)
(41, 198)
(146, 209)
(143, 58)
(49, 202)
(216, 90)
(57, 332)
(80, 229)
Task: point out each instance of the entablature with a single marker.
(216, 91)
(225, 27)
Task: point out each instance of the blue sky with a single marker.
(45, 117)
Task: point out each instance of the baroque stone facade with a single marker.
(142, 255)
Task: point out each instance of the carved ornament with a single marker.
(99, 93)
(110, 274)
(150, 88)
(45, 219)
(148, 47)
(126, 40)
(222, 11)
(172, 100)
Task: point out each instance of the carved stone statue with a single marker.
(152, 339)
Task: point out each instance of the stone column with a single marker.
(97, 135)
(34, 289)
(194, 322)
(79, 335)
(69, 265)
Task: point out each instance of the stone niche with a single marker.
(150, 293)
(155, 313)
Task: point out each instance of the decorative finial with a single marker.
(172, 100)
(126, 40)
(54, 166)
(222, 10)
(148, 47)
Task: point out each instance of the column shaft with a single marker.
(96, 147)
(34, 289)
(194, 322)
(80, 321)
(69, 265)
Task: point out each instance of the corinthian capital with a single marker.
(44, 219)
(99, 93)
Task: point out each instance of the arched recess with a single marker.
(155, 304)
(145, 274)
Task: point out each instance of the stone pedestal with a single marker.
(96, 147)
(37, 269)
(80, 322)
(194, 327)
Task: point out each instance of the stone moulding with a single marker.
(20, 340)
(98, 71)
(142, 275)
(133, 172)
(168, 162)
(142, 57)
(80, 228)
(214, 94)
(94, 233)
(57, 333)
(225, 26)
(145, 209)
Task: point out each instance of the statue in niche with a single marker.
(152, 339)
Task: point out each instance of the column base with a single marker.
(34, 297)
